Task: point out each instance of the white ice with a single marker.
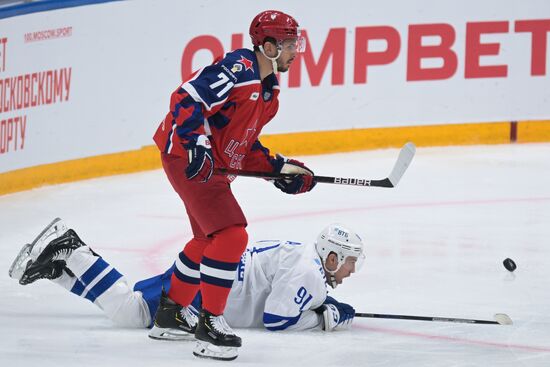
(434, 245)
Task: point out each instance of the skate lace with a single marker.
(65, 246)
(189, 316)
(220, 325)
(62, 254)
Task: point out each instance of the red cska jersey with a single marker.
(229, 103)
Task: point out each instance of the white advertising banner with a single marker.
(97, 79)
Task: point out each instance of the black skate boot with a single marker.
(50, 262)
(173, 321)
(216, 340)
(30, 251)
(49, 271)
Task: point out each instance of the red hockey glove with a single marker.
(302, 182)
(201, 160)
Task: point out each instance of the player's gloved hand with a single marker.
(336, 314)
(302, 182)
(201, 160)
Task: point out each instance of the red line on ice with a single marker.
(398, 206)
(159, 246)
(451, 338)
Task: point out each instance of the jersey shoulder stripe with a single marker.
(212, 85)
(242, 65)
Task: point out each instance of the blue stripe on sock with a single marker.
(222, 265)
(90, 297)
(78, 288)
(185, 278)
(94, 271)
(216, 281)
(105, 283)
(188, 262)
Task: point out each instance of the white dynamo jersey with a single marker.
(278, 285)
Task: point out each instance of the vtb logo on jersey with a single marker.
(246, 63)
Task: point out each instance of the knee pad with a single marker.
(228, 244)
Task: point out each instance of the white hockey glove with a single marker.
(336, 315)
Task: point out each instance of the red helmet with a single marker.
(275, 24)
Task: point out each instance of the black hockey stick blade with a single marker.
(403, 161)
(499, 318)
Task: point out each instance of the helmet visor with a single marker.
(354, 263)
(297, 44)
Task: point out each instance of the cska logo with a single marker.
(246, 63)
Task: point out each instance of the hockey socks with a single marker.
(218, 266)
(95, 275)
(210, 265)
(90, 276)
(185, 280)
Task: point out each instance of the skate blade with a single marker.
(53, 230)
(47, 229)
(21, 262)
(220, 353)
(30, 252)
(159, 333)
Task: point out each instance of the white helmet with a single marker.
(343, 242)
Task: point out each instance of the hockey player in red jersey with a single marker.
(215, 119)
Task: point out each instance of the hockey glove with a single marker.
(201, 160)
(302, 182)
(336, 315)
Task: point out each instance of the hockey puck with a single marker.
(509, 264)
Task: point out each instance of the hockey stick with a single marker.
(403, 161)
(500, 318)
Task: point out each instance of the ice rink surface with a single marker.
(434, 246)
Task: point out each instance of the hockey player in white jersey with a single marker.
(280, 285)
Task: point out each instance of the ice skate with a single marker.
(216, 340)
(173, 321)
(49, 261)
(49, 271)
(30, 251)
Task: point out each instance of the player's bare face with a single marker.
(347, 268)
(288, 54)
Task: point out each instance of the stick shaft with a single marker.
(425, 318)
(323, 179)
(403, 161)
